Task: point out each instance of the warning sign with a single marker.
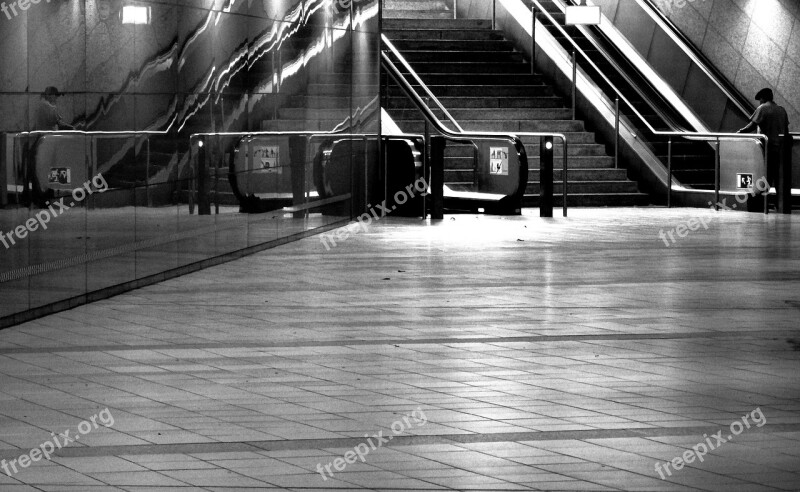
(60, 175)
(744, 181)
(267, 159)
(498, 161)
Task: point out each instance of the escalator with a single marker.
(693, 163)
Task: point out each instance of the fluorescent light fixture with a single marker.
(135, 14)
(583, 15)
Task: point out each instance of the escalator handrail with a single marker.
(697, 56)
(702, 136)
(670, 121)
(578, 49)
(418, 80)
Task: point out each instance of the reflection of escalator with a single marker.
(692, 162)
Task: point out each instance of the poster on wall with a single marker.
(498, 161)
(267, 159)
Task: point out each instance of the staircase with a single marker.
(487, 86)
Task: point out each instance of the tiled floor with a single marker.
(473, 354)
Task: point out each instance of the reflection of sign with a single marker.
(267, 159)
(60, 175)
(498, 160)
(580, 15)
(744, 181)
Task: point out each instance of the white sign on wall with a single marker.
(498, 161)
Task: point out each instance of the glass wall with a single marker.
(83, 212)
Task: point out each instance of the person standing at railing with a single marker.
(771, 120)
(47, 115)
(47, 118)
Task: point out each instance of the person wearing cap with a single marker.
(47, 116)
(771, 120)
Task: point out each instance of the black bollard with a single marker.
(546, 177)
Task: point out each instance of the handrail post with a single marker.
(494, 14)
(203, 206)
(217, 172)
(616, 136)
(546, 177)
(669, 173)
(437, 176)
(565, 178)
(147, 176)
(716, 175)
(785, 176)
(533, 40)
(455, 9)
(766, 172)
(574, 85)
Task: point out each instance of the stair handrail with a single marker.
(418, 80)
(470, 135)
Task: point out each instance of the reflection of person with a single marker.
(771, 120)
(47, 115)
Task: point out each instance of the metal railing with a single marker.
(431, 118)
(24, 184)
(198, 148)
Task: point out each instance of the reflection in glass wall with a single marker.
(201, 128)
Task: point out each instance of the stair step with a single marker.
(419, 58)
(444, 24)
(473, 69)
(418, 4)
(531, 199)
(538, 117)
(416, 14)
(451, 34)
(500, 46)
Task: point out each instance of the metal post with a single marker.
(716, 175)
(203, 207)
(546, 177)
(565, 178)
(366, 175)
(616, 136)
(785, 176)
(669, 173)
(766, 170)
(438, 144)
(147, 176)
(217, 172)
(455, 9)
(494, 14)
(533, 40)
(574, 85)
